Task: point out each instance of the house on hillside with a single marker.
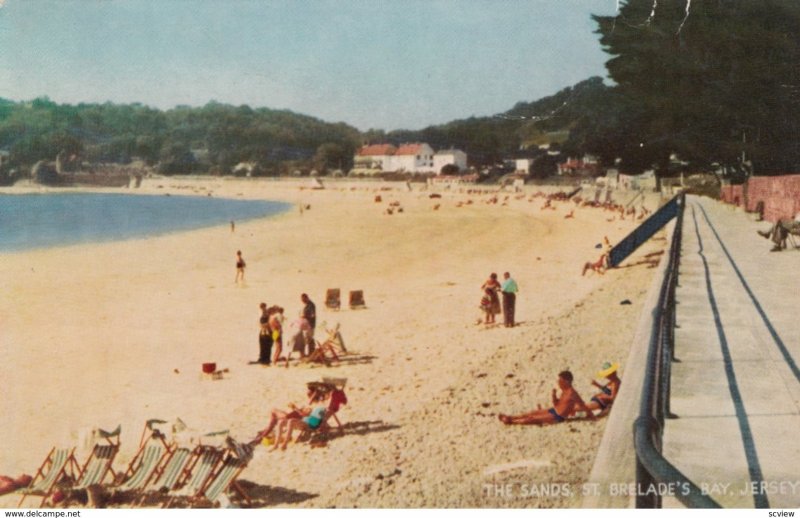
(385, 158)
(445, 157)
(373, 159)
(588, 165)
(523, 165)
(413, 158)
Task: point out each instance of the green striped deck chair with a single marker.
(144, 465)
(166, 476)
(225, 478)
(97, 466)
(200, 471)
(43, 484)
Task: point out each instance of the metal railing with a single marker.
(655, 475)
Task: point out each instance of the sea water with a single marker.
(44, 220)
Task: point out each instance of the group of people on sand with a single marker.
(324, 400)
(569, 402)
(271, 332)
(490, 301)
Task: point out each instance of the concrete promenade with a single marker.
(736, 384)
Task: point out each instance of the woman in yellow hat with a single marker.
(602, 401)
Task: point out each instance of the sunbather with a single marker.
(277, 416)
(780, 231)
(306, 419)
(608, 392)
(599, 266)
(563, 407)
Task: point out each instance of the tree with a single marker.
(710, 80)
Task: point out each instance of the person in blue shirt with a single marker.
(509, 290)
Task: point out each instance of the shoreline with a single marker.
(132, 322)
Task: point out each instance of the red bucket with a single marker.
(209, 368)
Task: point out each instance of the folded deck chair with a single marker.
(200, 471)
(357, 300)
(333, 299)
(52, 470)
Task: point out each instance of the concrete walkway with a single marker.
(736, 387)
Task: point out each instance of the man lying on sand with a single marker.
(563, 407)
(608, 392)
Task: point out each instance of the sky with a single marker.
(384, 64)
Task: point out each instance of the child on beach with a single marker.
(563, 407)
(240, 264)
(486, 305)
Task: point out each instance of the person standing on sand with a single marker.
(310, 314)
(563, 407)
(240, 264)
(509, 290)
(264, 337)
(275, 321)
(493, 286)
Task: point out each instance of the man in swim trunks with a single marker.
(563, 407)
(608, 392)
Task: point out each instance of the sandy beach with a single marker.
(115, 333)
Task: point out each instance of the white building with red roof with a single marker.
(373, 159)
(413, 158)
(385, 158)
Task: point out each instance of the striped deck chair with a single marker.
(56, 466)
(166, 476)
(96, 466)
(225, 478)
(201, 469)
(142, 467)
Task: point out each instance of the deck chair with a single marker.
(52, 471)
(329, 349)
(236, 460)
(333, 299)
(96, 467)
(144, 464)
(166, 476)
(335, 387)
(224, 479)
(338, 385)
(357, 300)
(199, 472)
